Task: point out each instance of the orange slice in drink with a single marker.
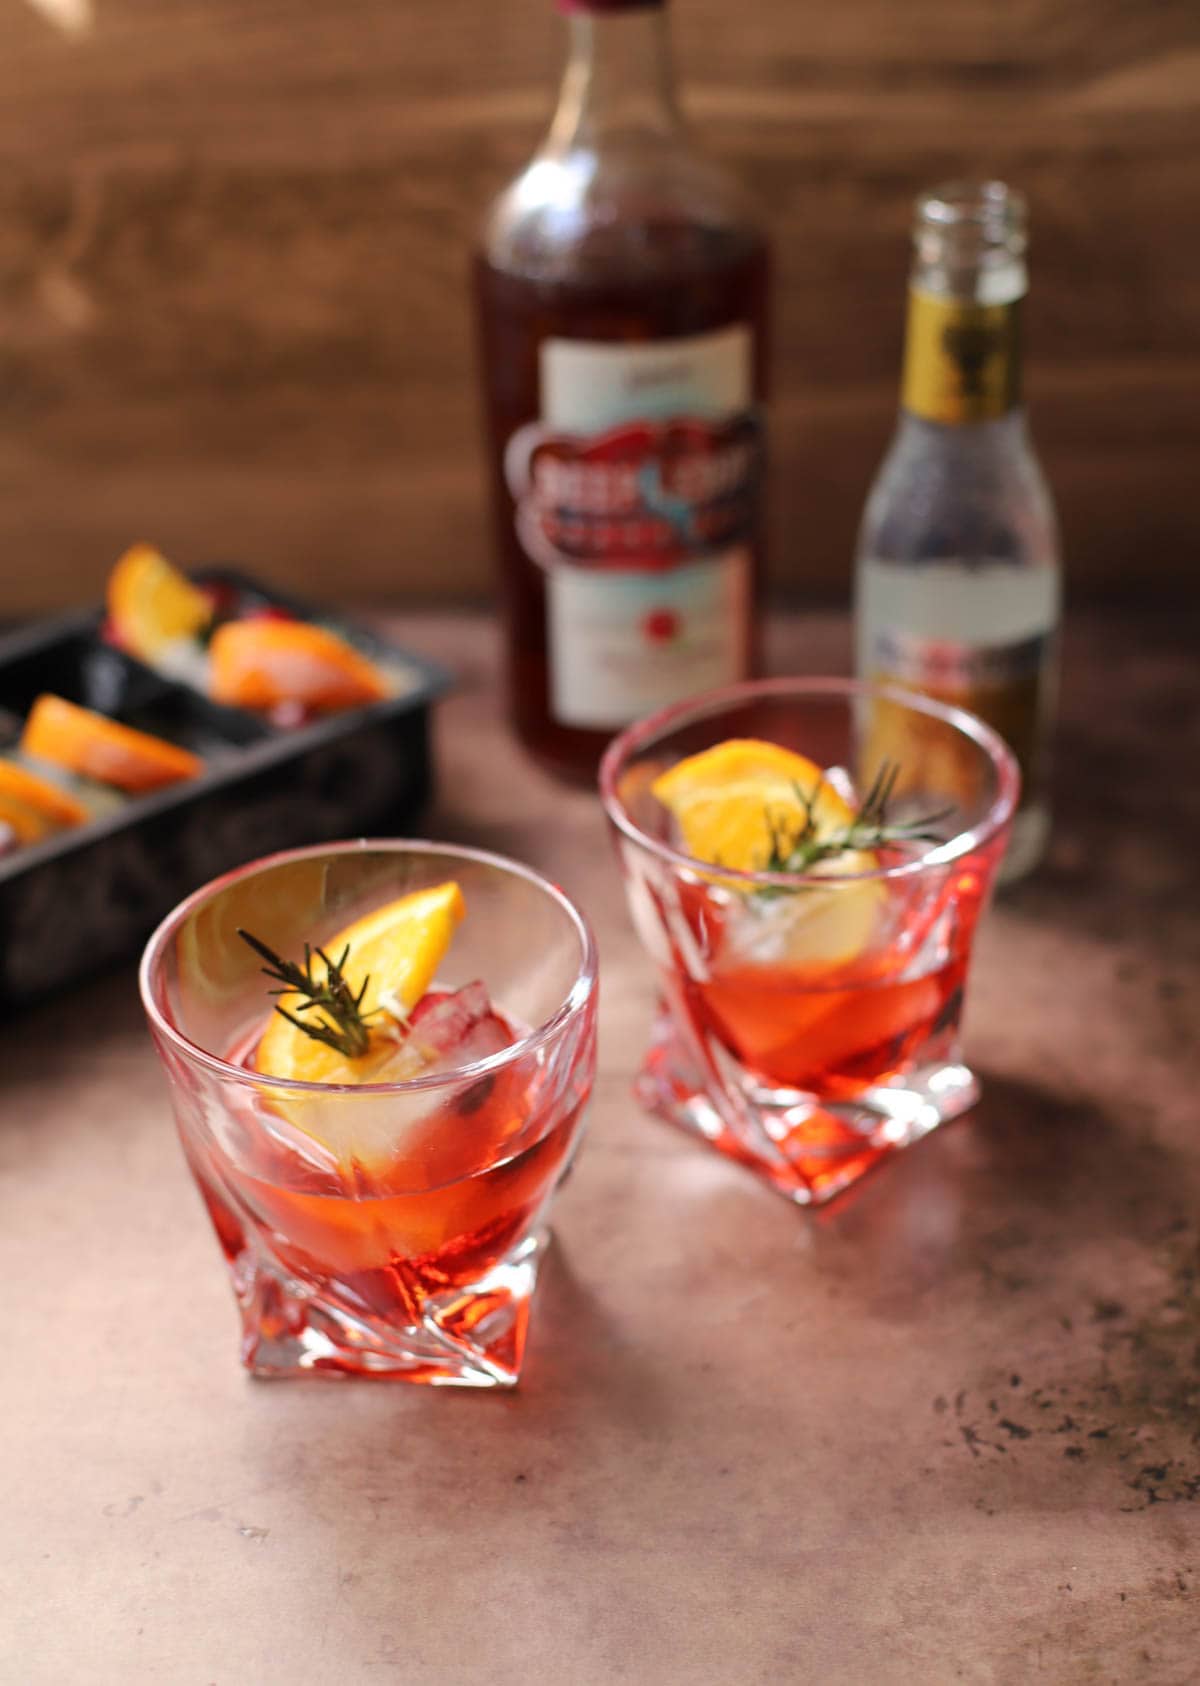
(261, 663)
(103, 749)
(152, 605)
(736, 801)
(396, 951)
(48, 804)
(744, 801)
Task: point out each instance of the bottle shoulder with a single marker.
(970, 493)
(636, 207)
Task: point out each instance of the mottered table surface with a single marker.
(948, 1429)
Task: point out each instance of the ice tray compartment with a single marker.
(85, 670)
(89, 897)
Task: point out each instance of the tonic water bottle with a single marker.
(957, 588)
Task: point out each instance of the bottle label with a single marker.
(1004, 684)
(961, 360)
(637, 493)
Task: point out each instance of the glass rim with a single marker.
(634, 737)
(578, 997)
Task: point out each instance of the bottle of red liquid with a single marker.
(621, 289)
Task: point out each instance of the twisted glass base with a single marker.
(808, 1149)
(466, 1335)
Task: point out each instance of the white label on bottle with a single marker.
(588, 385)
(637, 493)
(979, 634)
(626, 644)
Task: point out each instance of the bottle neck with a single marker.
(962, 359)
(618, 80)
(962, 348)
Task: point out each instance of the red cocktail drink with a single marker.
(389, 1226)
(812, 967)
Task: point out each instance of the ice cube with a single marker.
(386, 1134)
(99, 799)
(446, 1030)
(758, 930)
(806, 926)
(184, 660)
(444, 1017)
(839, 781)
(288, 716)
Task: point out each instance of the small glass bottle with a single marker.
(621, 287)
(958, 579)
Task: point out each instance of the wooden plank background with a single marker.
(233, 242)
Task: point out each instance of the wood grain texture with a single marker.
(233, 242)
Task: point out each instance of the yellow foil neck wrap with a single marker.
(961, 360)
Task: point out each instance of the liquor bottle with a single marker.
(958, 579)
(621, 286)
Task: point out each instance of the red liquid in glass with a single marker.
(466, 1182)
(796, 1031)
(828, 1034)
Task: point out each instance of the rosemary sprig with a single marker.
(345, 1026)
(797, 850)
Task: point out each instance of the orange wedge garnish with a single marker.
(732, 801)
(52, 805)
(735, 803)
(260, 664)
(397, 950)
(152, 605)
(103, 749)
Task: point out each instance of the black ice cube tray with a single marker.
(88, 897)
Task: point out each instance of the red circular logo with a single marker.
(660, 626)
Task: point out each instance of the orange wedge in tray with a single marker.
(26, 824)
(152, 606)
(34, 806)
(258, 662)
(263, 663)
(61, 732)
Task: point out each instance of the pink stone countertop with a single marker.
(947, 1431)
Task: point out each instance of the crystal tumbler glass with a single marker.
(809, 1023)
(385, 1229)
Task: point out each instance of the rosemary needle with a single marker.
(795, 850)
(344, 1026)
